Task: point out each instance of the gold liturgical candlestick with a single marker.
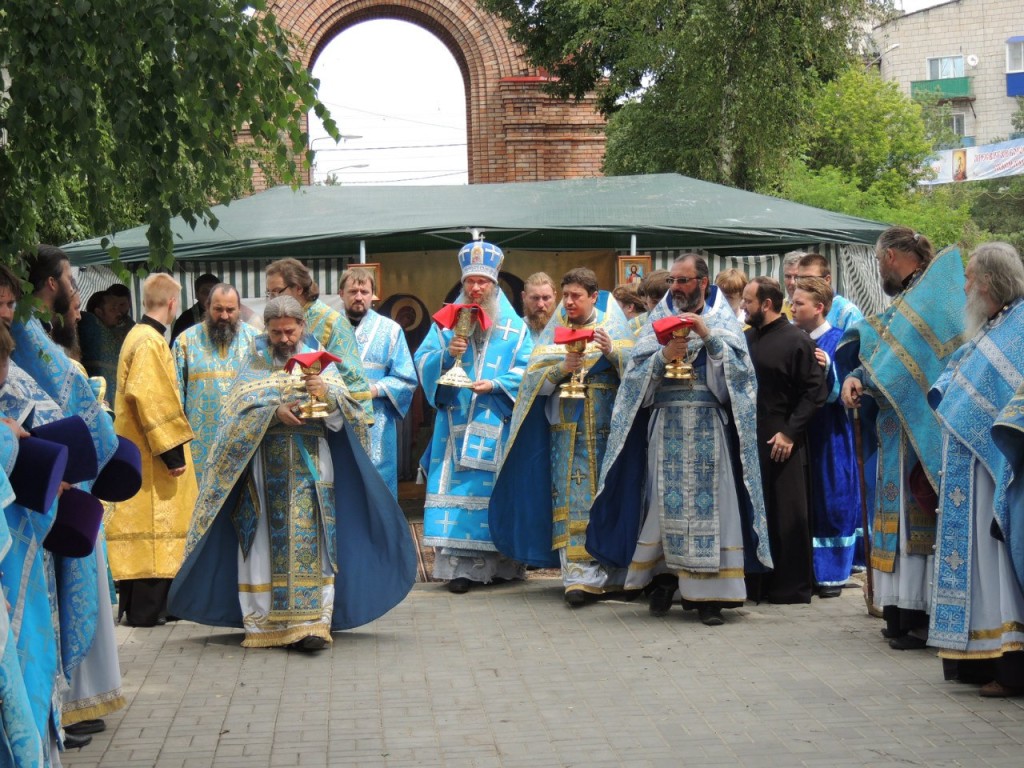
(679, 369)
(456, 375)
(574, 388)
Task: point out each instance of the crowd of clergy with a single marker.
(680, 440)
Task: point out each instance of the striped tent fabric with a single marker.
(854, 270)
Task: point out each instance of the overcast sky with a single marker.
(407, 124)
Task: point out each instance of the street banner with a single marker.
(989, 161)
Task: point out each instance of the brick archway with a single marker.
(515, 132)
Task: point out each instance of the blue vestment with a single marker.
(205, 373)
(1008, 434)
(843, 314)
(470, 430)
(900, 353)
(388, 366)
(979, 381)
(28, 570)
(618, 511)
(21, 743)
(548, 479)
(334, 333)
(373, 550)
(835, 485)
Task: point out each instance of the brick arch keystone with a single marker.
(515, 132)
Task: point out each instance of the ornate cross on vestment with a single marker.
(506, 329)
(578, 476)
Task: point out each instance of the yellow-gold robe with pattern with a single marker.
(146, 534)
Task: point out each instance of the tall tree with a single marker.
(716, 89)
(134, 109)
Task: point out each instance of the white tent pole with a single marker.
(362, 251)
(632, 245)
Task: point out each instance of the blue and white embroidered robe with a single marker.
(470, 430)
(559, 445)
(334, 333)
(843, 314)
(980, 380)
(20, 740)
(1008, 434)
(367, 539)
(897, 355)
(205, 374)
(388, 366)
(693, 429)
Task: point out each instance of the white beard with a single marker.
(976, 313)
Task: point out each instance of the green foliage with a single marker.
(942, 213)
(1017, 118)
(870, 130)
(997, 206)
(120, 110)
(715, 89)
(938, 121)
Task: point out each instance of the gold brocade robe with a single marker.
(146, 534)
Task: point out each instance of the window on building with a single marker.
(945, 66)
(956, 122)
(1015, 56)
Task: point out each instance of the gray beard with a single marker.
(490, 306)
(684, 303)
(283, 353)
(220, 334)
(976, 314)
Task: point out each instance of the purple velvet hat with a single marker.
(73, 534)
(37, 473)
(121, 477)
(73, 433)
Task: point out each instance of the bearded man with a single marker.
(538, 302)
(388, 366)
(679, 500)
(207, 356)
(272, 548)
(472, 425)
(559, 444)
(102, 333)
(894, 357)
(977, 616)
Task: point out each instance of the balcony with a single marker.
(947, 89)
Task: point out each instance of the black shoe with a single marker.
(311, 644)
(831, 591)
(661, 600)
(459, 586)
(85, 727)
(710, 615)
(890, 633)
(76, 742)
(907, 643)
(577, 598)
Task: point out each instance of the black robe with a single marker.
(790, 388)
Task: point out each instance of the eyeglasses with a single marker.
(679, 280)
(275, 294)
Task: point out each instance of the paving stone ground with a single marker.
(508, 676)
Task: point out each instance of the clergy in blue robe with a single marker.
(894, 357)
(207, 357)
(679, 501)
(295, 534)
(471, 426)
(101, 335)
(329, 327)
(977, 616)
(388, 366)
(835, 485)
(21, 738)
(559, 444)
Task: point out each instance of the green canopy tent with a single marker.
(661, 211)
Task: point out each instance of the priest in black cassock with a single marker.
(790, 388)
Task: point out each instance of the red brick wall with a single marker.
(515, 131)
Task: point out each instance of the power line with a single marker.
(413, 178)
(394, 117)
(398, 146)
